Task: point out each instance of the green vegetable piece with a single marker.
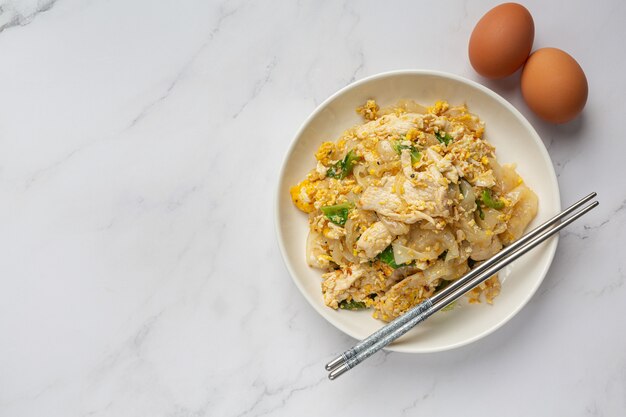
(449, 307)
(338, 214)
(349, 162)
(352, 305)
(335, 170)
(387, 257)
(343, 168)
(481, 214)
(490, 202)
(443, 137)
(415, 154)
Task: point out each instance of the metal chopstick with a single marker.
(381, 338)
(426, 304)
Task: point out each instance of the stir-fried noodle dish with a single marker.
(407, 202)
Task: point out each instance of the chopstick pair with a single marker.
(398, 327)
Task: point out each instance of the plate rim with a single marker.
(551, 245)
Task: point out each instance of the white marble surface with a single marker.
(140, 143)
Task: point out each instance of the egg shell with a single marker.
(554, 85)
(501, 41)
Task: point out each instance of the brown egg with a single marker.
(501, 40)
(554, 85)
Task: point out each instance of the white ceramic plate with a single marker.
(515, 141)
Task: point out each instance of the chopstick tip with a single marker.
(337, 372)
(334, 363)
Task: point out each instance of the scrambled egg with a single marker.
(406, 202)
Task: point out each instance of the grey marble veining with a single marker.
(140, 144)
